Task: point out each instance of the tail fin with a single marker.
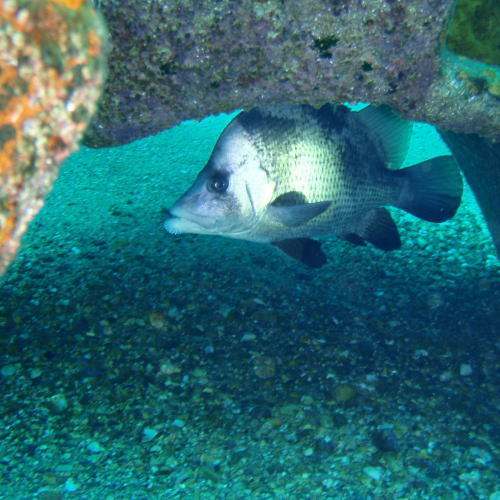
(433, 189)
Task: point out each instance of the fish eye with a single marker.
(218, 184)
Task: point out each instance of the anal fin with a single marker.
(376, 227)
(352, 238)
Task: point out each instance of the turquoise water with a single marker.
(137, 364)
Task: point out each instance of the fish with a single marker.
(287, 174)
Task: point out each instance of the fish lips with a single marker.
(179, 221)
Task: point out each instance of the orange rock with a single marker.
(52, 66)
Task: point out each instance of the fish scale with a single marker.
(309, 160)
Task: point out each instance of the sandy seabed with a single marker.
(137, 365)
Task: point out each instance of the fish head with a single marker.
(229, 195)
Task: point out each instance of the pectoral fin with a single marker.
(291, 209)
(304, 250)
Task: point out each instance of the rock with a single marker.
(473, 476)
(149, 434)
(169, 368)
(95, 447)
(474, 30)
(465, 370)
(70, 485)
(187, 60)
(344, 393)
(8, 370)
(482, 456)
(58, 403)
(179, 423)
(35, 373)
(478, 159)
(446, 376)
(264, 366)
(375, 473)
(248, 337)
(385, 440)
(157, 320)
(51, 71)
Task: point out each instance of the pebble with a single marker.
(178, 423)
(248, 337)
(95, 447)
(264, 366)
(200, 373)
(58, 402)
(470, 477)
(344, 393)
(435, 300)
(8, 370)
(307, 400)
(481, 456)
(157, 320)
(328, 483)
(70, 485)
(420, 353)
(212, 457)
(465, 370)
(374, 472)
(35, 373)
(168, 368)
(149, 434)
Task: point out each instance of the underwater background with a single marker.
(137, 364)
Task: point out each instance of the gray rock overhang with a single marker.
(178, 60)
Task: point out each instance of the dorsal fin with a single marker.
(390, 132)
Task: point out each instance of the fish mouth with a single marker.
(178, 222)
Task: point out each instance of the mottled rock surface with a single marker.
(51, 71)
(185, 59)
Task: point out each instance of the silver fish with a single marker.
(285, 174)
